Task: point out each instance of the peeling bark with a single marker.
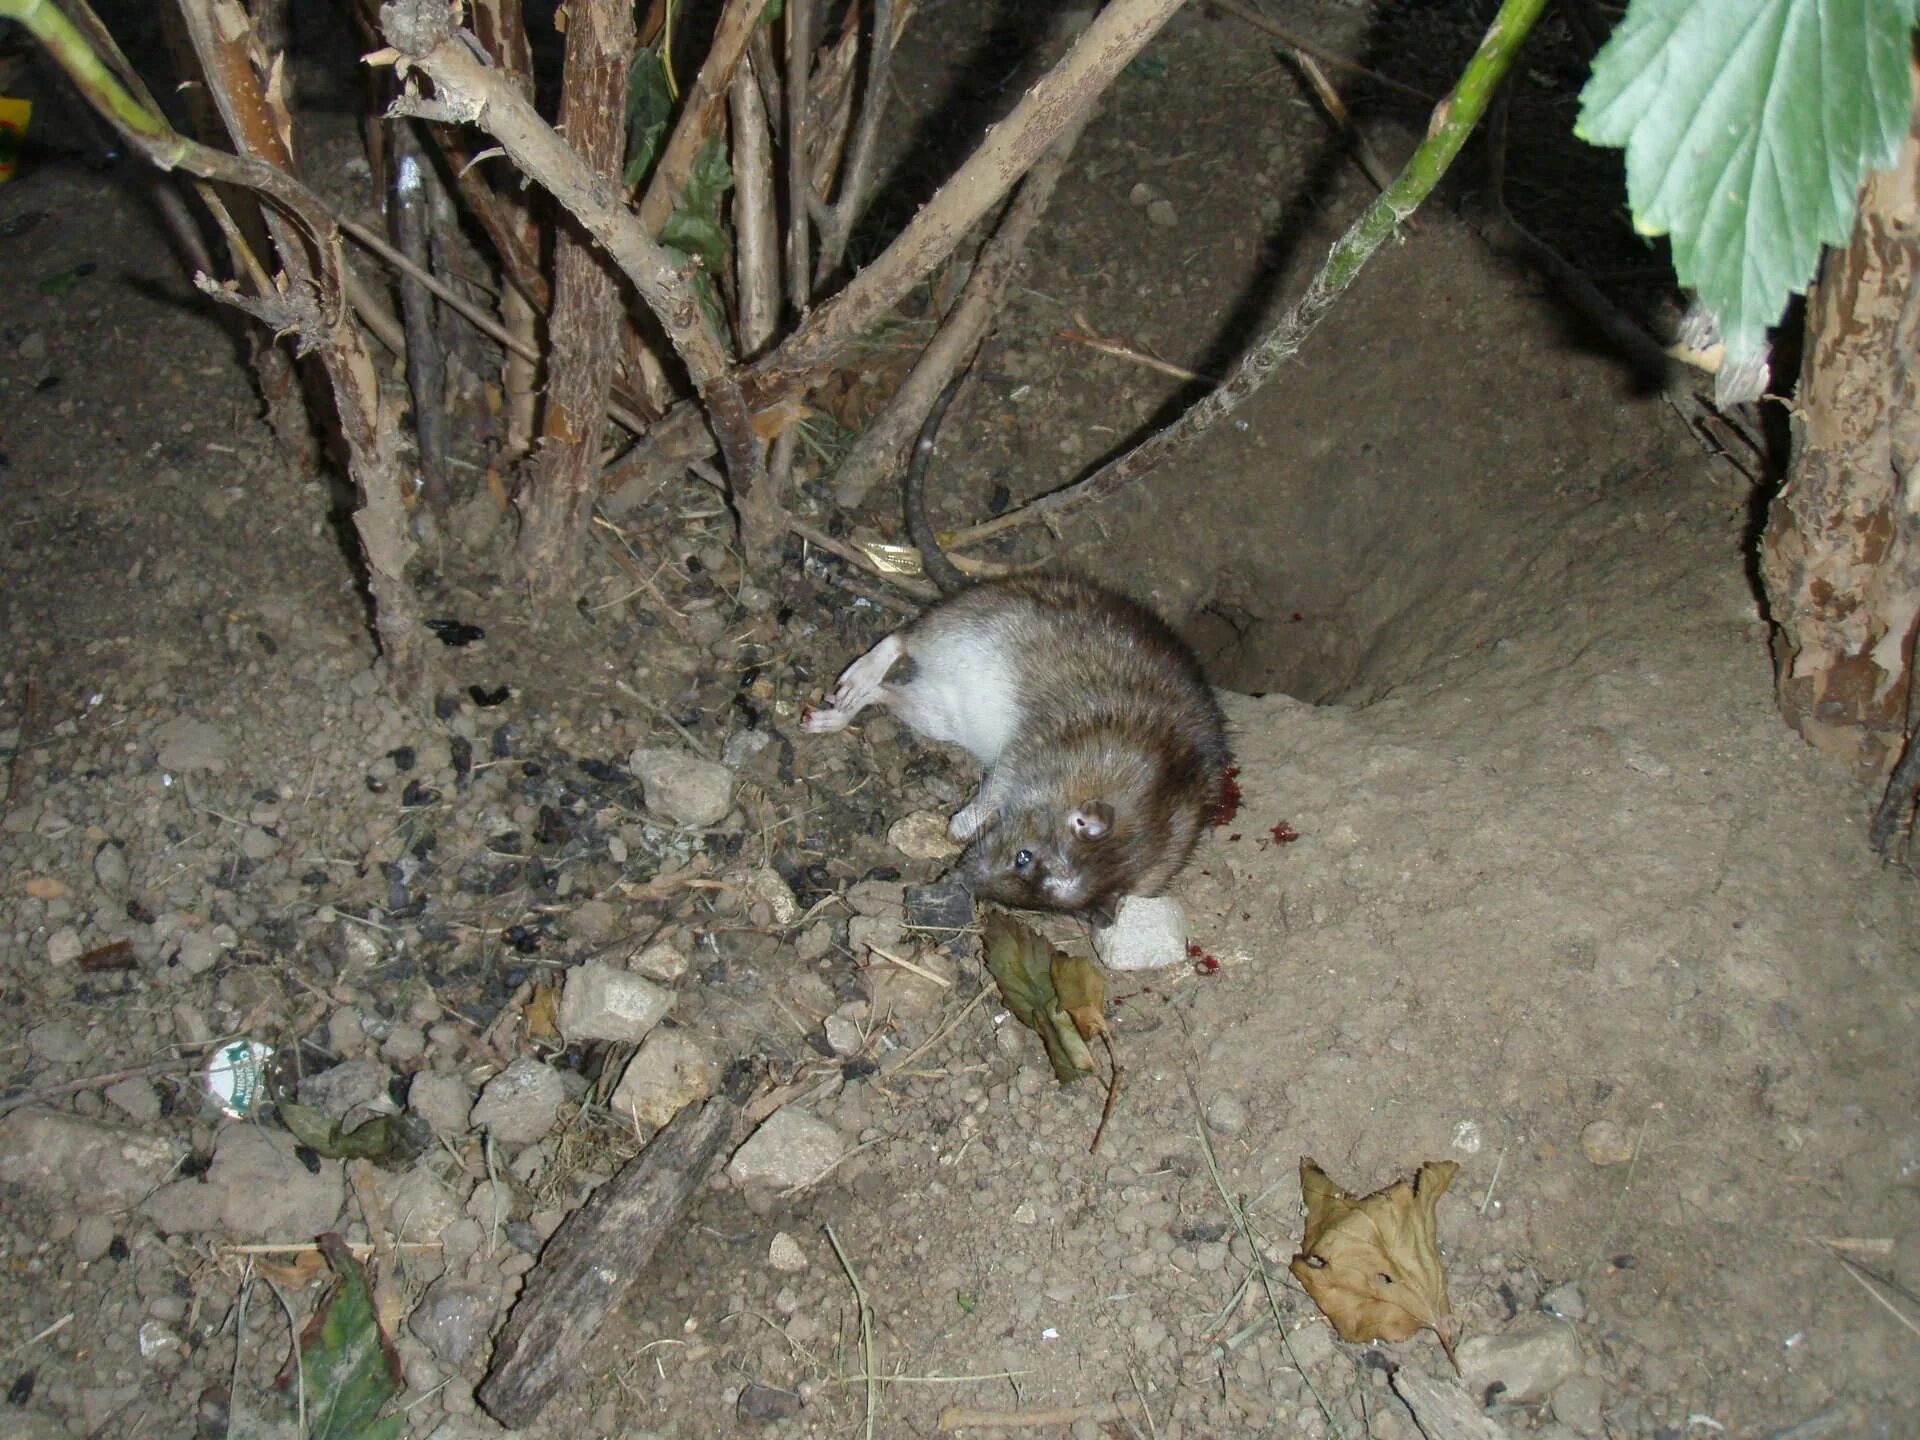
(587, 309)
(1841, 552)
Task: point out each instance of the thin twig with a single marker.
(93, 1082)
(1253, 17)
(866, 1328)
(1115, 1076)
(1859, 1273)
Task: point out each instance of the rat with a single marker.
(1103, 748)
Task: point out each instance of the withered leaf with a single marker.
(543, 1014)
(1082, 991)
(389, 1140)
(1372, 1264)
(1022, 966)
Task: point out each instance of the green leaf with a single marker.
(1022, 966)
(63, 281)
(649, 107)
(348, 1365)
(1748, 129)
(386, 1139)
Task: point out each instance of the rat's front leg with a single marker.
(973, 817)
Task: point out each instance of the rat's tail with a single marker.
(943, 572)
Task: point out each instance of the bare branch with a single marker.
(1114, 37)
(878, 449)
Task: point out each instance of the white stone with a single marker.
(185, 744)
(602, 1003)
(661, 961)
(922, 836)
(684, 787)
(1145, 935)
(791, 1148)
(785, 1254)
(520, 1104)
(1526, 1362)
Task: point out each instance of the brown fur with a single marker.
(1118, 723)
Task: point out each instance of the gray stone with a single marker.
(1577, 1402)
(346, 1032)
(58, 1042)
(521, 1103)
(684, 787)
(92, 1238)
(602, 1003)
(660, 961)
(351, 1088)
(878, 897)
(1605, 1143)
(791, 1148)
(64, 946)
(452, 1320)
(1226, 1114)
(200, 950)
(404, 1045)
(843, 1035)
(258, 844)
(1526, 1362)
(907, 998)
(257, 1188)
(671, 1070)
(592, 921)
(110, 869)
(1162, 214)
(136, 1098)
(441, 1100)
(786, 1255)
(68, 1162)
(765, 887)
(186, 744)
(876, 932)
(922, 836)
(1565, 1301)
(1146, 934)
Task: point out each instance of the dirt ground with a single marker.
(1527, 873)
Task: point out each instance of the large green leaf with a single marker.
(1748, 127)
(350, 1366)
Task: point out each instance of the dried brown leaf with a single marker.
(543, 1014)
(1082, 992)
(1372, 1263)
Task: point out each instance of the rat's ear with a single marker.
(1091, 821)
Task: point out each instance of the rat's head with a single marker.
(1040, 858)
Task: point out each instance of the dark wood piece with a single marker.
(602, 1251)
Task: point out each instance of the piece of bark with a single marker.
(603, 1250)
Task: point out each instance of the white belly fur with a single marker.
(963, 691)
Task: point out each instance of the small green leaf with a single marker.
(62, 282)
(1748, 130)
(386, 1139)
(649, 107)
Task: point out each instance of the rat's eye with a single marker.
(1024, 860)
